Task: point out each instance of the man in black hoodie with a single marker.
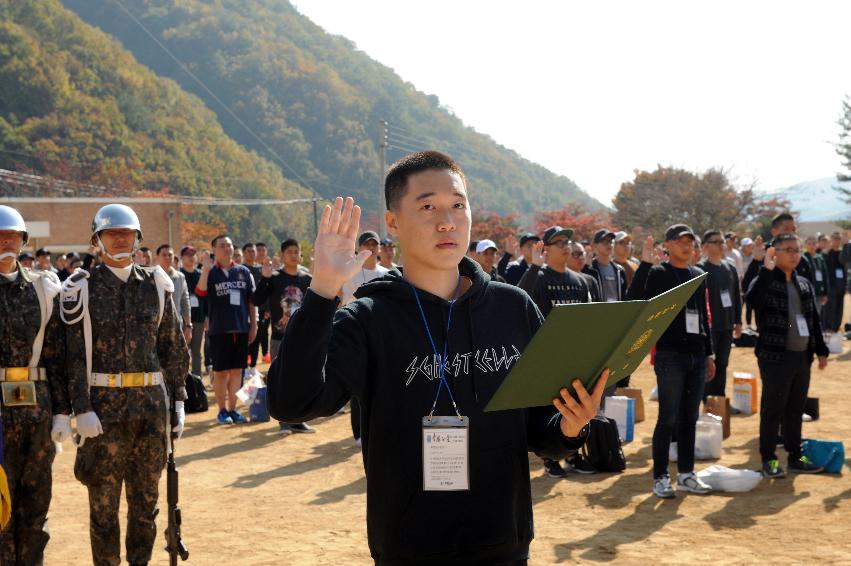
(444, 326)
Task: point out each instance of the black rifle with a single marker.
(174, 543)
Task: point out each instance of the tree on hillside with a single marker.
(575, 216)
(494, 226)
(655, 200)
(843, 148)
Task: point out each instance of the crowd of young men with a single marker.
(350, 329)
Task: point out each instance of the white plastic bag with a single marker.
(834, 342)
(248, 392)
(708, 437)
(721, 478)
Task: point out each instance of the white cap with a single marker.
(746, 241)
(621, 236)
(485, 245)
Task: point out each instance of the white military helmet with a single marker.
(11, 219)
(115, 216)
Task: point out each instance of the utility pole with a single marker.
(382, 145)
(315, 218)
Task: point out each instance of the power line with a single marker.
(216, 98)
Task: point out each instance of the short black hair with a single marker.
(288, 243)
(217, 238)
(396, 181)
(248, 245)
(144, 249)
(260, 245)
(781, 218)
(162, 247)
(709, 233)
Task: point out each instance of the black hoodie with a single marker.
(377, 351)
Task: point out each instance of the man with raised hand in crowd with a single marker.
(370, 348)
(821, 274)
(733, 255)
(725, 307)
(228, 288)
(550, 285)
(576, 263)
(623, 255)
(610, 275)
(197, 308)
(833, 310)
(515, 270)
(284, 292)
(789, 337)
(684, 359)
(486, 256)
(180, 296)
(367, 242)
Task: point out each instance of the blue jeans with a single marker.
(679, 379)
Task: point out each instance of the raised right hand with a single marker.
(649, 253)
(770, 261)
(334, 257)
(266, 270)
(538, 254)
(758, 248)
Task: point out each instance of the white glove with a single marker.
(61, 430)
(88, 426)
(181, 419)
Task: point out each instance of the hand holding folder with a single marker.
(591, 337)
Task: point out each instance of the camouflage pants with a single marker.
(132, 453)
(29, 458)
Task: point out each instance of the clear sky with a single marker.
(595, 90)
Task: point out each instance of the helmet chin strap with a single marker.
(6, 255)
(121, 256)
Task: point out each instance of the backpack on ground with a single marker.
(196, 395)
(603, 447)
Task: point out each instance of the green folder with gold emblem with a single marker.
(579, 341)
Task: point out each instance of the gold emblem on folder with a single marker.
(641, 340)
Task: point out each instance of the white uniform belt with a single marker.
(126, 379)
(23, 374)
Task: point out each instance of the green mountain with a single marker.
(315, 100)
(75, 105)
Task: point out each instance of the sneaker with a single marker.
(662, 488)
(224, 417)
(302, 427)
(236, 416)
(554, 469)
(693, 484)
(580, 465)
(804, 465)
(284, 429)
(772, 469)
(806, 418)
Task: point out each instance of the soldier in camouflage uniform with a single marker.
(26, 421)
(139, 360)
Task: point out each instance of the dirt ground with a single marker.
(251, 497)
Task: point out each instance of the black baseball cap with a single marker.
(554, 231)
(367, 236)
(472, 246)
(528, 237)
(42, 251)
(602, 234)
(677, 231)
(25, 255)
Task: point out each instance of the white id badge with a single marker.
(726, 301)
(839, 274)
(819, 276)
(692, 322)
(235, 298)
(193, 301)
(446, 453)
(803, 331)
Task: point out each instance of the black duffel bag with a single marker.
(603, 447)
(196, 395)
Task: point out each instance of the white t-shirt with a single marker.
(735, 256)
(359, 279)
(122, 273)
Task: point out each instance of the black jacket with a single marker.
(619, 273)
(549, 287)
(723, 277)
(653, 280)
(767, 295)
(377, 351)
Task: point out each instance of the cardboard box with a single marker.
(719, 405)
(633, 393)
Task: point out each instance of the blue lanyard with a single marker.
(442, 371)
